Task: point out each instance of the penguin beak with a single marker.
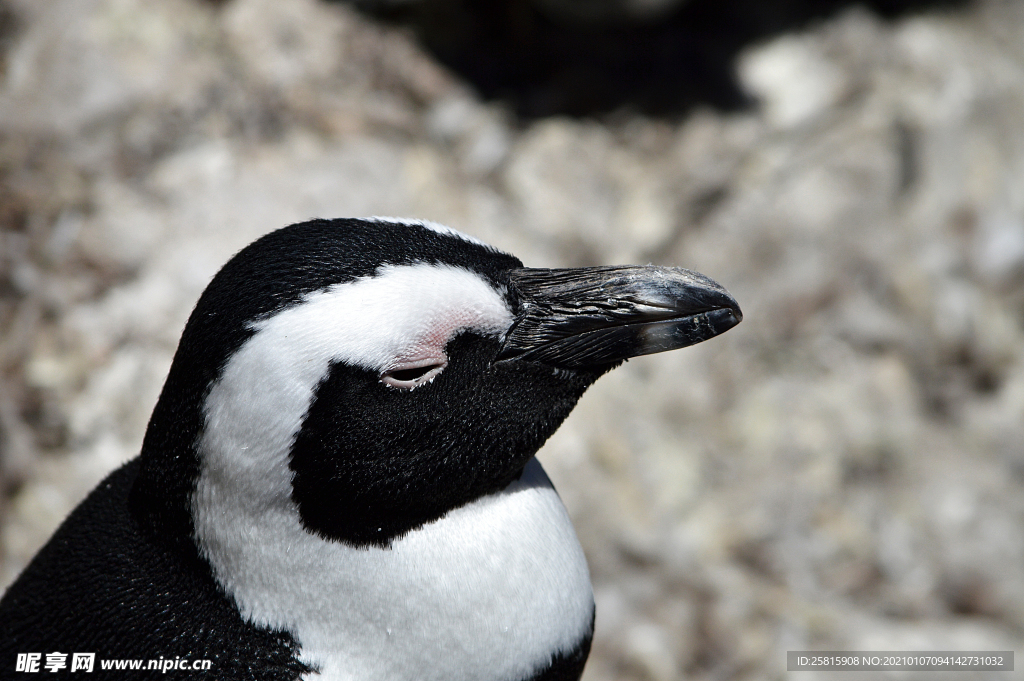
(591, 316)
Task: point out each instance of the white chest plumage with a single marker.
(489, 591)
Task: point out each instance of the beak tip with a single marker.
(725, 312)
(725, 319)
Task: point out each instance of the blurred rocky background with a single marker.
(841, 471)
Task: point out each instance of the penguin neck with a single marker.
(490, 590)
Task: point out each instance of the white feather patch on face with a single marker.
(400, 314)
(491, 590)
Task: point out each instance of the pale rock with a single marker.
(793, 78)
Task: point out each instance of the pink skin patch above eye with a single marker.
(428, 348)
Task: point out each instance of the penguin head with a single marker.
(374, 374)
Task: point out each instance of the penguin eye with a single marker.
(414, 374)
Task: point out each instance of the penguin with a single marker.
(338, 480)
